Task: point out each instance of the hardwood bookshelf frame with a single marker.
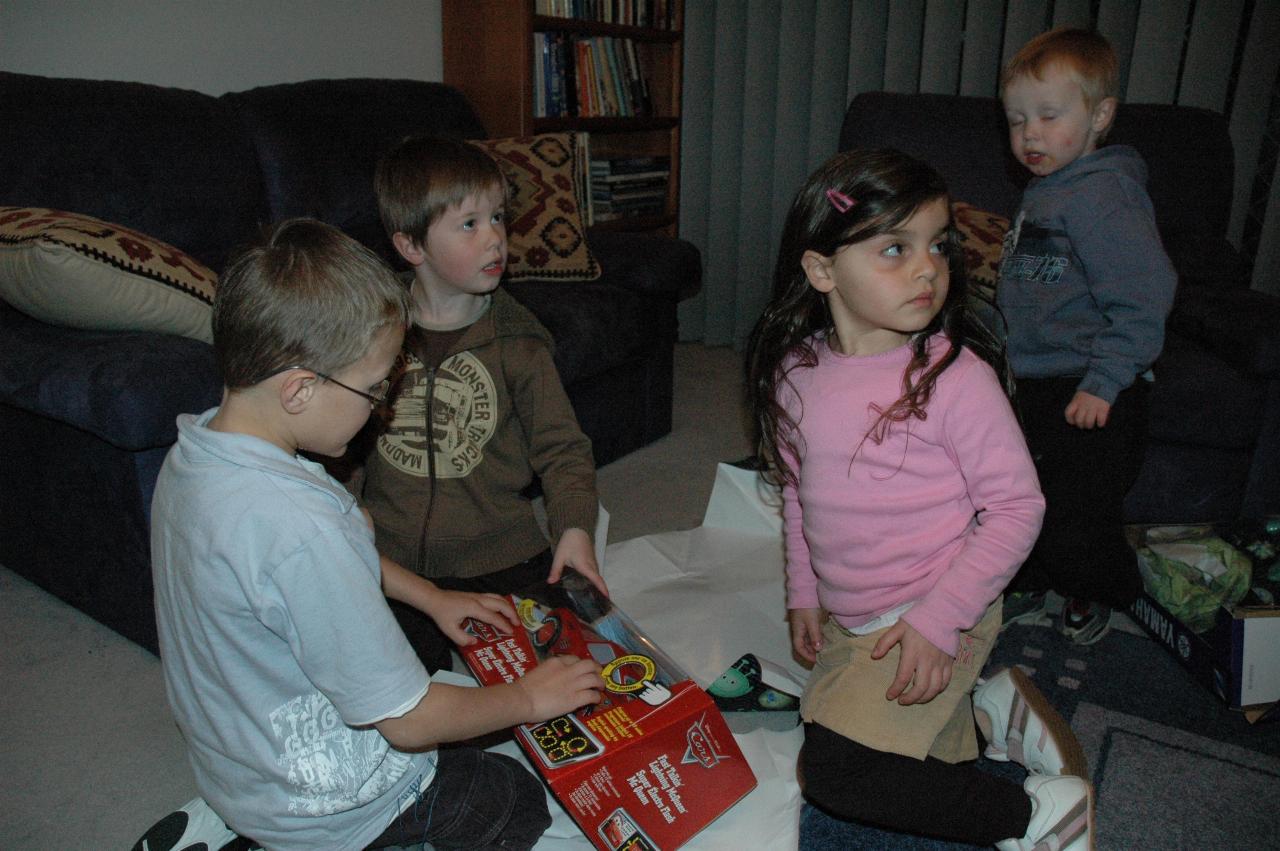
(488, 56)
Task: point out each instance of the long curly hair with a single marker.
(888, 187)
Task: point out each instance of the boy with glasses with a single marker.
(309, 721)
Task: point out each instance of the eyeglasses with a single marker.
(375, 399)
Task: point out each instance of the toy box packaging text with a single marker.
(650, 765)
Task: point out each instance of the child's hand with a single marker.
(450, 608)
(575, 550)
(806, 632)
(560, 684)
(1087, 411)
(921, 663)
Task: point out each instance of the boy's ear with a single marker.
(817, 268)
(413, 253)
(1103, 114)
(297, 390)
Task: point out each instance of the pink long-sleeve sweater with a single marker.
(939, 515)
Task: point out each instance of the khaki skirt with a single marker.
(846, 689)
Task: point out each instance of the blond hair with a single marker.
(422, 177)
(1085, 55)
(305, 294)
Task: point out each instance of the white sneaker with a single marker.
(1061, 816)
(1019, 723)
(194, 827)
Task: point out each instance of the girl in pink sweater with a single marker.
(909, 501)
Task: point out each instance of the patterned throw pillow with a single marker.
(545, 234)
(981, 239)
(82, 272)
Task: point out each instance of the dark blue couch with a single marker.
(88, 416)
(1214, 435)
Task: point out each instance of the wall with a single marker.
(218, 46)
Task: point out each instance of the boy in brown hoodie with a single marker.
(479, 409)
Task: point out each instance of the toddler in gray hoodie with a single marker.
(1085, 286)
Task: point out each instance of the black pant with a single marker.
(477, 800)
(426, 638)
(1085, 474)
(933, 798)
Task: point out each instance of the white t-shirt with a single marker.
(278, 649)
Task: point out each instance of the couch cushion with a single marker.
(318, 143)
(546, 238)
(981, 236)
(964, 138)
(1241, 327)
(124, 387)
(171, 163)
(648, 263)
(1200, 399)
(1190, 161)
(82, 272)
(603, 326)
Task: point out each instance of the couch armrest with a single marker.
(1238, 325)
(648, 263)
(126, 388)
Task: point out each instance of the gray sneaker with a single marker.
(1083, 622)
(1023, 607)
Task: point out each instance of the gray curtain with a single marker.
(766, 83)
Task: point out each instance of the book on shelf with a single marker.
(631, 165)
(655, 14)
(629, 186)
(588, 77)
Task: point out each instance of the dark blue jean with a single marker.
(477, 800)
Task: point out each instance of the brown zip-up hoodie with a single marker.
(496, 414)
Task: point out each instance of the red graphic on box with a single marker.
(650, 765)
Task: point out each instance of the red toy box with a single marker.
(649, 766)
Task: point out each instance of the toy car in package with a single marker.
(651, 764)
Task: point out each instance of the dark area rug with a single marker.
(1172, 767)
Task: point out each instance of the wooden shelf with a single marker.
(636, 223)
(633, 124)
(489, 55)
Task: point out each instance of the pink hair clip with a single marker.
(842, 202)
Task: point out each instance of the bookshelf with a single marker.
(489, 55)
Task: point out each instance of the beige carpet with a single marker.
(90, 754)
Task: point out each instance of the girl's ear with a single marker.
(297, 390)
(412, 252)
(817, 268)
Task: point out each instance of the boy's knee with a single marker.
(527, 816)
(530, 817)
(485, 801)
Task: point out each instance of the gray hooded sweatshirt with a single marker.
(1085, 283)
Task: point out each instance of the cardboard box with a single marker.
(1237, 657)
(648, 767)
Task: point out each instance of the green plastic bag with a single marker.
(1194, 577)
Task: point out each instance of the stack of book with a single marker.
(632, 13)
(588, 77)
(629, 186)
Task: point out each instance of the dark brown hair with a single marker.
(888, 187)
(305, 294)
